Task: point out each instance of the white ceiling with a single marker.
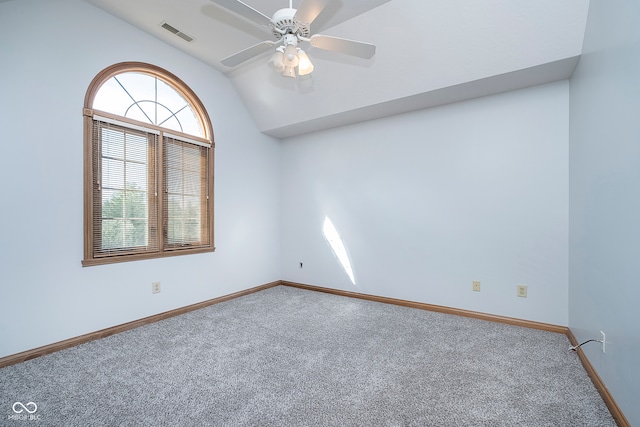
(429, 52)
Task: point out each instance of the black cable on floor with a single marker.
(575, 347)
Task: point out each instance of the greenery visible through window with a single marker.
(148, 167)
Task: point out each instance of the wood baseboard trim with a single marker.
(615, 410)
(71, 342)
(431, 307)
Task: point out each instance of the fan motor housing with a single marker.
(284, 22)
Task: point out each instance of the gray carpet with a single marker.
(290, 357)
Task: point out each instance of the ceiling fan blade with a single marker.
(339, 11)
(309, 10)
(247, 54)
(244, 10)
(337, 44)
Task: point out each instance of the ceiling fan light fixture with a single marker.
(305, 66)
(291, 63)
(276, 62)
(291, 52)
(289, 71)
(290, 27)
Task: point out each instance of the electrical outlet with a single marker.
(155, 287)
(476, 286)
(522, 291)
(603, 341)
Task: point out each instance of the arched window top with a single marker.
(150, 95)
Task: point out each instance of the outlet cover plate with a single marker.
(476, 285)
(522, 291)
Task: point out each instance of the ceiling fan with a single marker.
(291, 27)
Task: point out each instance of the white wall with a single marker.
(49, 53)
(427, 202)
(604, 169)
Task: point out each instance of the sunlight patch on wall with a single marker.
(339, 250)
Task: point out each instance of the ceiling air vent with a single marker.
(177, 32)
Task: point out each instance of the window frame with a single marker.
(88, 112)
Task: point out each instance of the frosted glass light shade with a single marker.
(289, 71)
(304, 65)
(277, 61)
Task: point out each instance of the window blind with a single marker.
(125, 213)
(186, 193)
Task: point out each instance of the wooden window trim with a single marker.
(88, 115)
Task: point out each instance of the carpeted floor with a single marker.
(291, 357)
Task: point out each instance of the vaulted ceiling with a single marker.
(429, 52)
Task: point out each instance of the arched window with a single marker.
(148, 167)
